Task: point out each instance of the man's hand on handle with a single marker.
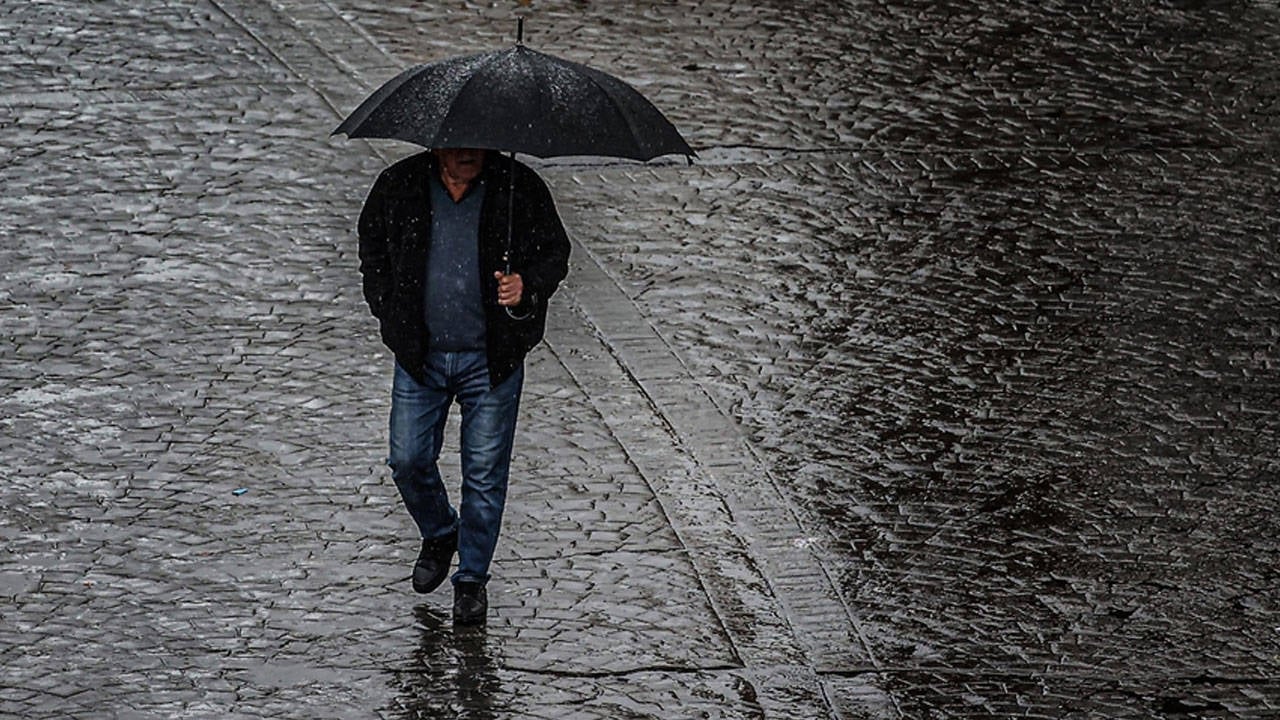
(510, 289)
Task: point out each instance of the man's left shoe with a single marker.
(470, 603)
(433, 562)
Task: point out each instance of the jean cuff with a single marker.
(459, 577)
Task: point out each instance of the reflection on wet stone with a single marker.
(943, 385)
(453, 672)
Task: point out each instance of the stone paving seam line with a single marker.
(603, 553)
(358, 30)
(347, 70)
(618, 298)
(562, 347)
(854, 622)
(759, 464)
(666, 515)
(638, 670)
(727, 419)
(244, 27)
(827, 703)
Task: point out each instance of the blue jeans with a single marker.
(418, 415)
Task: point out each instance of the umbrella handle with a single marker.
(511, 209)
(511, 206)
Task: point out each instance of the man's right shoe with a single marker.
(470, 603)
(433, 562)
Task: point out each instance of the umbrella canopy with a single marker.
(517, 100)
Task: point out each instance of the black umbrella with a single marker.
(518, 100)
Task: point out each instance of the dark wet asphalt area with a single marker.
(942, 385)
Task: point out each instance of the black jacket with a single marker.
(395, 237)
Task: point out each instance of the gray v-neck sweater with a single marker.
(453, 307)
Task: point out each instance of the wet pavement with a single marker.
(943, 385)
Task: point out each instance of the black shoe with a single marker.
(470, 604)
(433, 562)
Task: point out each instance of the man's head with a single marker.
(460, 165)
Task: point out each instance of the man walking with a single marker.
(457, 269)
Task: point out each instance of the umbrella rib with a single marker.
(542, 82)
(493, 57)
(366, 109)
(590, 73)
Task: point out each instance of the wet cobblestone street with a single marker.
(943, 384)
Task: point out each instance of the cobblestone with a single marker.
(943, 385)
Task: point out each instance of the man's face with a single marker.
(461, 164)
